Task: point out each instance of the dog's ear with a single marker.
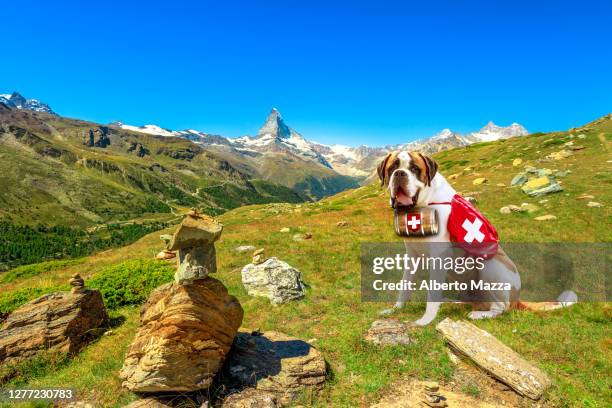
(431, 167)
(382, 170)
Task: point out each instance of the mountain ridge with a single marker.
(357, 161)
(16, 100)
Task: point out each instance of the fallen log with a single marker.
(494, 357)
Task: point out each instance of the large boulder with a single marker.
(276, 363)
(274, 279)
(61, 321)
(184, 335)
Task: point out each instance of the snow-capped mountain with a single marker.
(493, 132)
(16, 100)
(276, 136)
(273, 136)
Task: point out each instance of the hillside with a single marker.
(56, 170)
(572, 346)
(281, 154)
(277, 153)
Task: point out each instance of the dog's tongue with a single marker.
(403, 198)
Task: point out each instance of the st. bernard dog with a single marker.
(413, 180)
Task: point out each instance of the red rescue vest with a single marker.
(469, 229)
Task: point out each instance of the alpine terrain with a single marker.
(275, 138)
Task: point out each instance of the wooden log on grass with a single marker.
(494, 357)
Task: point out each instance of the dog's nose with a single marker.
(400, 173)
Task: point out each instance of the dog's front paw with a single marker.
(423, 321)
(387, 312)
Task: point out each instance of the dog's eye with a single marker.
(415, 169)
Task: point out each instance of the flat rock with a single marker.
(519, 179)
(165, 254)
(540, 186)
(594, 204)
(409, 394)
(517, 162)
(560, 155)
(251, 398)
(149, 403)
(494, 357)
(195, 230)
(516, 208)
(61, 321)
(274, 279)
(547, 217)
(388, 332)
(276, 363)
(184, 335)
(478, 181)
(245, 248)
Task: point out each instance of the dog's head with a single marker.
(406, 174)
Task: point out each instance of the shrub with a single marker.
(130, 282)
(28, 271)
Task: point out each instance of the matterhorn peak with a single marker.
(275, 126)
(490, 125)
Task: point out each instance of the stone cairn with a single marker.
(258, 256)
(77, 283)
(195, 242)
(431, 395)
(165, 254)
(187, 326)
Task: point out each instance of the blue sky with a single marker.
(348, 72)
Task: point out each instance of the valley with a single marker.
(570, 345)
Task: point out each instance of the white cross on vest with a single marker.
(414, 222)
(473, 231)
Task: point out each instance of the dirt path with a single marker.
(604, 142)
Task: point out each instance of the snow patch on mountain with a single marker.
(276, 136)
(491, 132)
(149, 129)
(16, 100)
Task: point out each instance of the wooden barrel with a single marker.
(416, 221)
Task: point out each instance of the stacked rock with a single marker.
(195, 240)
(77, 283)
(431, 395)
(258, 256)
(186, 327)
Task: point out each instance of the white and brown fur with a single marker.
(418, 176)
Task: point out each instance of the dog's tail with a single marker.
(567, 298)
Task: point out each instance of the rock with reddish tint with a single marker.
(185, 333)
(61, 321)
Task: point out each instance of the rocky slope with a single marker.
(56, 170)
(277, 153)
(16, 100)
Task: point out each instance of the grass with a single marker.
(572, 346)
(28, 271)
(131, 282)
